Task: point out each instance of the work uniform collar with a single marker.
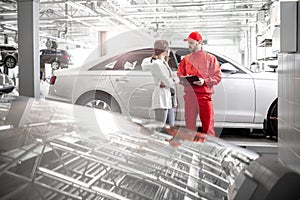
(199, 52)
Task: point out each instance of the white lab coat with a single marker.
(161, 97)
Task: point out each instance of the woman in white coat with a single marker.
(163, 97)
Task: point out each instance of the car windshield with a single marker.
(235, 63)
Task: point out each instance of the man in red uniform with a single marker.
(197, 96)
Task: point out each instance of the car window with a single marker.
(133, 60)
(59, 52)
(180, 53)
(11, 48)
(172, 61)
(223, 61)
(108, 64)
(48, 52)
(8, 49)
(63, 52)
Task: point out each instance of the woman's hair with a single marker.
(159, 47)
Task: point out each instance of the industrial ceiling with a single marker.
(74, 19)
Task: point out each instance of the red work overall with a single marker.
(198, 98)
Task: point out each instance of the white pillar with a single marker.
(253, 44)
(102, 43)
(247, 48)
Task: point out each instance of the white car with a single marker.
(243, 99)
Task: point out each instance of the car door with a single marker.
(132, 85)
(234, 97)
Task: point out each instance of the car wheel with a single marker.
(99, 100)
(55, 65)
(272, 121)
(10, 62)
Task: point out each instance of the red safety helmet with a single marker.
(194, 36)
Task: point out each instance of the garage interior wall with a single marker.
(288, 86)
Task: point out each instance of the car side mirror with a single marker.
(228, 68)
(255, 67)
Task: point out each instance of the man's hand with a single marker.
(200, 82)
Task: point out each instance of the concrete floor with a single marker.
(256, 142)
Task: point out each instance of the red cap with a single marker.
(194, 36)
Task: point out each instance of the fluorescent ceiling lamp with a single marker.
(47, 25)
(188, 14)
(79, 18)
(11, 27)
(6, 13)
(46, 21)
(5, 127)
(124, 3)
(220, 3)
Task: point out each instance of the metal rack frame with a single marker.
(54, 160)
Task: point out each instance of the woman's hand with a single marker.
(162, 85)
